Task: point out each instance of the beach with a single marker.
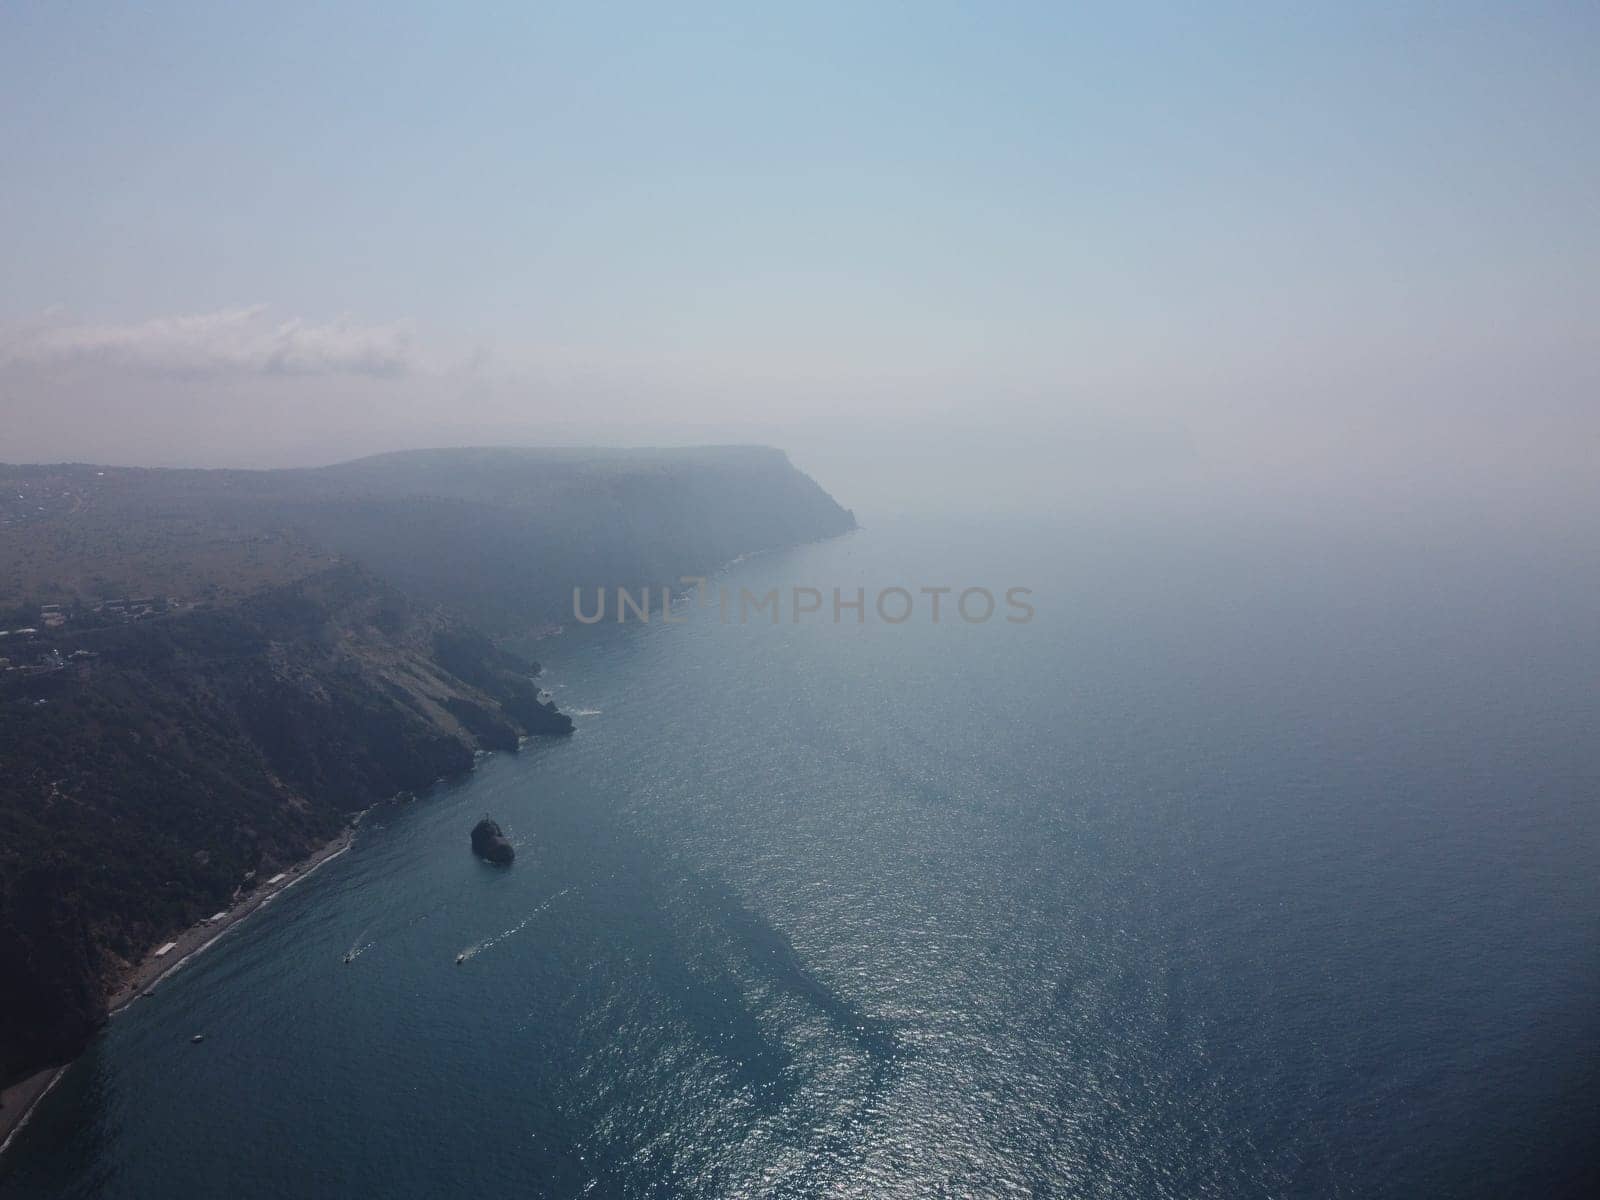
(143, 978)
(18, 1100)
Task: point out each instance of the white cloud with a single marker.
(235, 341)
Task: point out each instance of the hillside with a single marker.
(205, 674)
(165, 765)
(501, 535)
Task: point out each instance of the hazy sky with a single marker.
(1277, 231)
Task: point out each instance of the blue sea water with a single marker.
(1260, 863)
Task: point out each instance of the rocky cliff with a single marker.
(176, 760)
(489, 843)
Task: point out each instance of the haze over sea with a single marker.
(1260, 863)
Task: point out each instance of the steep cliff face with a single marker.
(140, 787)
(505, 535)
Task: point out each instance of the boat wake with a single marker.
(358, 947)
(478, 948)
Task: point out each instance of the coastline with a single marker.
(141, 979)
(19, 1100)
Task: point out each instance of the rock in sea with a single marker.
(490, 844)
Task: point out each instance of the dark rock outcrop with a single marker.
(472, 657)
(490, 844)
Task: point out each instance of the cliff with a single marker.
(500, 535)
(142, 787)
(506, 534)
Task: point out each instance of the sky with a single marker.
(1304, 242)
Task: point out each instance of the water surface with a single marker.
(1256, 865)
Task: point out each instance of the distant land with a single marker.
(501, 535)
(205, 676)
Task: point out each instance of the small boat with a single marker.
(460, 958)
(197, 1038)
(347, 959)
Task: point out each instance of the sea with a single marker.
(1262, 861)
